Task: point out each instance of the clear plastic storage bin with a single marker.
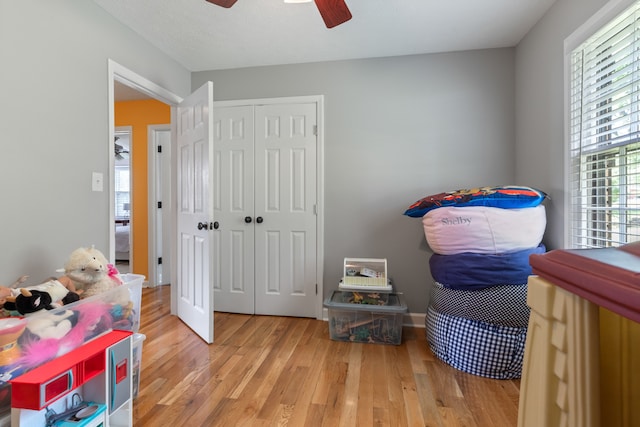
(136, 361)
(73, 324)
(365, 323)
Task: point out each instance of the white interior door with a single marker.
(194, 211)
(285, 206)
(233, 280)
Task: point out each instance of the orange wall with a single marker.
(138, 115)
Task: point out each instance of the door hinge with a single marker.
(159, 148)
(315, 209)
(316, 289)
(159, 205)
(315, 130)
(159, 260)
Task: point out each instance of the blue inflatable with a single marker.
(470, 271)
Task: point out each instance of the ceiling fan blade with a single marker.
(223, 3)
(334, 12)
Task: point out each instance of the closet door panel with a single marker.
(285, 198)
(234, 195)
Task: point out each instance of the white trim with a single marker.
(415, 320)
(566, 155)
(601, 18)
(152, 253)
(141, 84)
(305, 99)
(152, 190)
(117, 72)
(320, 201)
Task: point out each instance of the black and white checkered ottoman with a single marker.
(476, 347)
(503, 305)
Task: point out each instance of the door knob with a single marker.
(259, 220)
(215, 225)
(247, 219)
(203, 225)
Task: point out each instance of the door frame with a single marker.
(120, 73)
(155, 227)
(319, 101)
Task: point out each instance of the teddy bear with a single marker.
(88, 270)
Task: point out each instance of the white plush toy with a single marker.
(49, 325)
(88, 270)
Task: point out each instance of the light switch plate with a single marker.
(96, 182)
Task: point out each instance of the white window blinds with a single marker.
(604, 136)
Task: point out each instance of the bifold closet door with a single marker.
(233, 236)
(285, 200)
(265, 209)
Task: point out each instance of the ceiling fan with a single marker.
(119, 150)
(333, 12)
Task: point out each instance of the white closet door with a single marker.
(285, 209)
(233, 280)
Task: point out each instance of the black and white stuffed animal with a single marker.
(46, 296)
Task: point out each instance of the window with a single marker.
(604, 135)
(122, 200)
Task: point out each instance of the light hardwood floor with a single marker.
(281, 371)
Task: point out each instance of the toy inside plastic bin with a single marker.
(365, 296)
(365, 323)
(366, 274)
(136, 361)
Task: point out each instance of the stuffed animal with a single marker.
(46, 296)
(29, 302)
(52, 325)
(88, 270)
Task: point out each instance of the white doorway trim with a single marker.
(117, 72)
(159, 171)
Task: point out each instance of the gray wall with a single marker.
(396, 129)
(54, 126)
(540, 146)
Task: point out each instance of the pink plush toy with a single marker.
(93, 318)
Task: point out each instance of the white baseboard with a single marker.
(414, 320)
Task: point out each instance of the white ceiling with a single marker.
(202, 36)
